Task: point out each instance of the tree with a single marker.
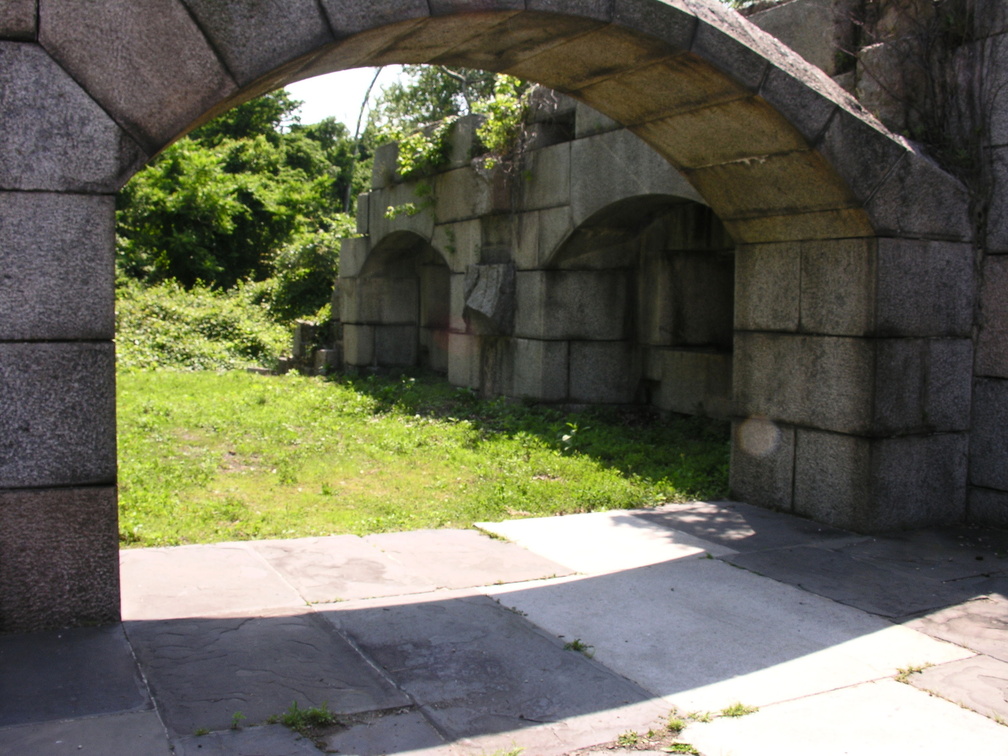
(233, 201)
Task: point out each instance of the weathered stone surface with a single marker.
(396, 345)
(980, 684)
(799, 98)
(669, 86)
(548, 182)
(917, 198)
(57, 414)
(463, 360)
(400, 209)
(923, 385)
(742, 129)
(579, 61)
(831, 478)
(148, 64)
(385, 166)
(924, 288)
(58, 567)
(981, 625)
(255, 36)
(202, 670)
(992, 339)
(137, 734)
(380, 300)
(884, 84)
(603, 372)
(265, 740)
(541, 369)
(459, 243)
(885, 484)
(762, 463)
(393, 733)
(821, 31)
(767, 287)
(489, 299)
(616, 165)
(349, 16)
(56, 255)
(843, 223)
(834, 390)
(795, 183)
(571, 304)
(60, 142)
(694, 382)
(358, 344)
(989, 447)
(861, 152)
(997, 232)
(353, 253)
(18, 19)
(987, 507)
(838, 293)
(463, 194)
(454, 655)
(589, 122)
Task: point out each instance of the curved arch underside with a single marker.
(776, 148)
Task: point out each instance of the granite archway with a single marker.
(854, 267)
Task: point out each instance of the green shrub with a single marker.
(165, 326)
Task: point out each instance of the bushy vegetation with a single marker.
(166, 326)
(223, 456)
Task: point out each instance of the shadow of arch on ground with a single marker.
(839, 224)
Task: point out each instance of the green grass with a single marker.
(207, 457)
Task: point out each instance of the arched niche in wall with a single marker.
(395, 312)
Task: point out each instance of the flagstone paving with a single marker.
(572, 632)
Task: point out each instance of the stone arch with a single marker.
(854, 255)
(651, 280)
(395, 312)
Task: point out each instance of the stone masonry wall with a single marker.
(589, 274)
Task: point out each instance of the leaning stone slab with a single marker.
(202, 670)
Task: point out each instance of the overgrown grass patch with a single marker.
(208, 457)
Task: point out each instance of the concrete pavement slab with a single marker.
(268, 740)
(478, 671)
(135, 734)
(199, 581)
(201, 671)
(64, 674)
(874, 719)
(980, 684)
(938, 553)
(837, 575)
(340, 568)
(600, 542)
(463, 558)
(743, 527)
(981, 625)
(705, 635)
(401, 733)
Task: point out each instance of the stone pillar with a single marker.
(852, 380)
(61, 159)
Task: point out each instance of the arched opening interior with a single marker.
(395, 313)
(642, 295)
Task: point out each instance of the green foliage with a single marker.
(738, 710)
(505, 113)
(424, 152)
(201, 329)
(430, 94)
(304, 721)
(241, 199)
(207, 457)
